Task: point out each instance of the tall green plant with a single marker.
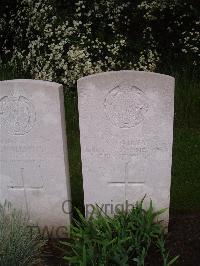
(19, 246)
(124, 239)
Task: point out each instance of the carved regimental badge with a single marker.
(17, 114)
(126, 106)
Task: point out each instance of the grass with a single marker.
(185, 196)
(185, 187)
(74, 149)
(20, 246)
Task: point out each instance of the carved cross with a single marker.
(126, 183)
(24, 189)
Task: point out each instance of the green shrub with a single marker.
(124, 239)
(19, 246)
(67, 40)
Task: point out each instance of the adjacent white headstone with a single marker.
(126, 129)
(34, 172)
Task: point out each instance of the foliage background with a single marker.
(65, 40)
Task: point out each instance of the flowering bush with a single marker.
(93, 36)
(63, 51)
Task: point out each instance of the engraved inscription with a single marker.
(17, 114)
(126, 106)
(149, 147)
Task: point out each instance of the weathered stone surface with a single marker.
(33, 152)
(126, 128)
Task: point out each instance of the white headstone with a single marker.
(34, 172)
(126, 133)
